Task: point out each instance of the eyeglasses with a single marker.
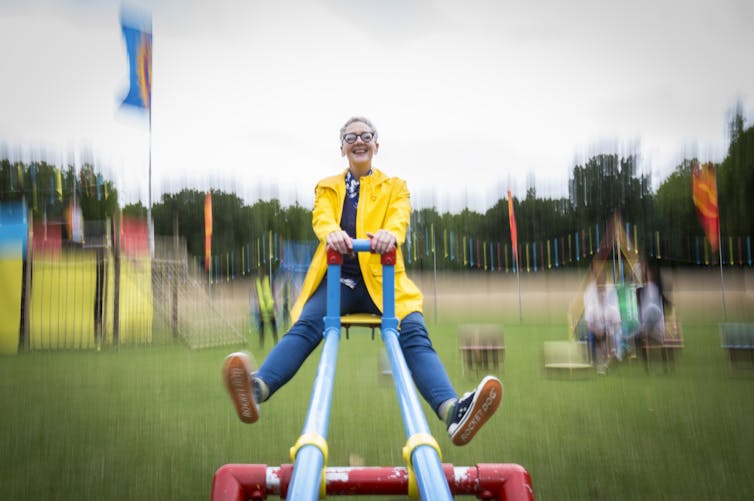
(351, 137)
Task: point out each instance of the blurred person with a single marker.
(651, 306)
(602, 317)
(613, 327)
(337, 218)
(594, 316)
(266, 305)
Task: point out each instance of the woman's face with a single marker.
(359, 152)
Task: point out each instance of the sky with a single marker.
(469, 98)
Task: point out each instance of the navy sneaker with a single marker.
(473, 409)
(238, 381)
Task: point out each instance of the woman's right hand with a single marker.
(340, 241)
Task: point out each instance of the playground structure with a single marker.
(615, 251)
(424, 476)
(614, 248)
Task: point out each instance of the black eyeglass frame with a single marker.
(355, 136)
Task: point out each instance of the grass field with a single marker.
(155, 423)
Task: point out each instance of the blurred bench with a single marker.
(566, 356)
(667, 349)
(482, 346)
(737, 339)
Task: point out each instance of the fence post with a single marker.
(174, 276)
(26, 293)
(116, 276)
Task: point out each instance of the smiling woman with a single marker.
(337, 219)
(358, 142)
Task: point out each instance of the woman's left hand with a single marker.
(382, 241)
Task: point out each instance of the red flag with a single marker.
(704, 190)
(207, 230)
(514, 232)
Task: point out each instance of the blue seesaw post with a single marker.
(310, 452)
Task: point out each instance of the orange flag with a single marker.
(514, 232)
(704, 190)
(207, 230)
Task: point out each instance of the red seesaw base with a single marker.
(254, 482)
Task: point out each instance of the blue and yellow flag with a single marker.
(139, 47)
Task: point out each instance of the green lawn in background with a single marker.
(155, 423)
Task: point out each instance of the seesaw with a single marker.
(424, 476)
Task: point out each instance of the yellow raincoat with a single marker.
(384, 203)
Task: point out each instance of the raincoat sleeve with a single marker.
(327, 209)
(398, 211)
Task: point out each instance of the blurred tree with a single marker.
(603, 184)
(135, 210)
(675, 216)
(49, 189)
(234, 224)
(735, 180)
(96, 195)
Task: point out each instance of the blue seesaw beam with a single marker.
(310, 452)
(422, 450)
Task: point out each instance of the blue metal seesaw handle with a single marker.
(307, 480)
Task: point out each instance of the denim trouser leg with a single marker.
(427, 370)
(591, 341)
(289, 354)
(294, 347)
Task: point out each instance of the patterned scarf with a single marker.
(352, 187)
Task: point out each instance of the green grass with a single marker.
(155, 423)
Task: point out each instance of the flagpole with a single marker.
(434, 265)
(514, 251)
(722, 280)
(150, 223)
(720, 255)
(518, 282)
(150, 156)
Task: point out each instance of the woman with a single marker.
(361, 202)
(594, 317)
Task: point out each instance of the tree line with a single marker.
(599, 187)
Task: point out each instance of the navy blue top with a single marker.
(350, 273)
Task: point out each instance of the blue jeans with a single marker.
(304, 336)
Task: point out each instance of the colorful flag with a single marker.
(207, 230)
(704, 190)
(514, 232)
(139, 48)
